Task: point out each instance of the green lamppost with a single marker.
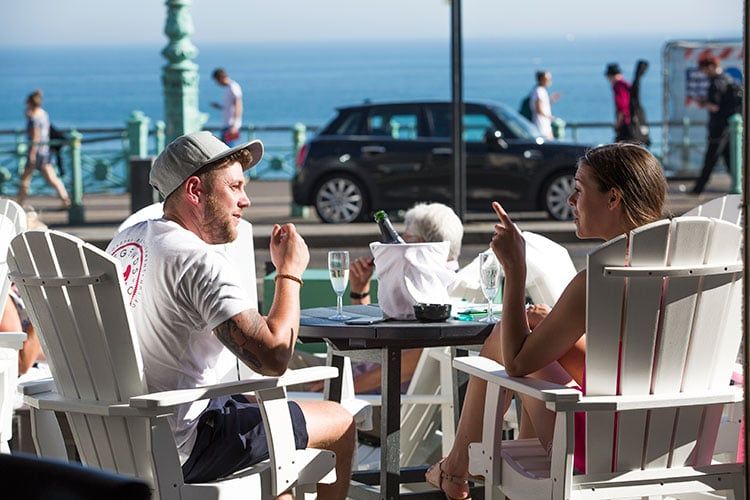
(180, 74)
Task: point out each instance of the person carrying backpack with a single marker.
(724, 99)
(537, 106)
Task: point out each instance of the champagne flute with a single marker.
(338, 271)
(489, 277)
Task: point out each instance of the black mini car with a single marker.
(391, 156)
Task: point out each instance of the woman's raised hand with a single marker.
(507, 242)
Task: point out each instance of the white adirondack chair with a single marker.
(74, 295)
(12, 221)
(662, 336)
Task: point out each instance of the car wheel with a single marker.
(555, 196)
(340, 199)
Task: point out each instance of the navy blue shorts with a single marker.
(232, 437)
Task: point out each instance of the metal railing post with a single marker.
(558, 128)
(160, 136)
(685, 143)
(735, 153)
(75, 212)
(299, 137)
(137, 127)
(575, 132)
(21, 149)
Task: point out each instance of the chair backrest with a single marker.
(667, 316)
(75, 299)
(15, 213)
(549, 268)
(12, 222)
(727, 207)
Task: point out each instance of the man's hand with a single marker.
(289, 251)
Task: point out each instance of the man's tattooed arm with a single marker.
(231, 335)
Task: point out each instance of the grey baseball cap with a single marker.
(189, 153)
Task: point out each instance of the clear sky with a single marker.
(128, 22)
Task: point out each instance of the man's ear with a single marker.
(193, 190)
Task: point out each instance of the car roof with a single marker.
(365, 105)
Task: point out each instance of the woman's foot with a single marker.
(455, 487)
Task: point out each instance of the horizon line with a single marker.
(571, 38)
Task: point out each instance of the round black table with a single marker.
(390, 338)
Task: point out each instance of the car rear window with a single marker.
(350, 124)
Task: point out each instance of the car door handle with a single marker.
(372, 150)
(442, 151)
(533, 154)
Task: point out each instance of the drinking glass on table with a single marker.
(338, 271)
(489, 278)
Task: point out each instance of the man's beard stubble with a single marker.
(218, 225)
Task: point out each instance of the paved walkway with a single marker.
(271, 202)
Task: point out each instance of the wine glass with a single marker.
(338, 271)
(489, 277)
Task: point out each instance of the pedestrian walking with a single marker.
(38, 155)
(724, 99)
(621, 94)
(540, 103)
(231, 107)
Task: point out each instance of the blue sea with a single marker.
(286, 83)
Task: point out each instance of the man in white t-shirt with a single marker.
(231, 107)
(540, 103)
(189, 303)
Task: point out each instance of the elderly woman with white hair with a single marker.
(424, 223)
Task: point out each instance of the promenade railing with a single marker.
(97, 159)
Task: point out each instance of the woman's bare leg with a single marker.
(23, 185)
(470, 424)
(53, 180)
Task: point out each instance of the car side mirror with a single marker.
(495, 138)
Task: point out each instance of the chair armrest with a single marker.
(177, 397)
(163, 403)
(731, 394)
(39, 386)
(12, 340)
(494, 373)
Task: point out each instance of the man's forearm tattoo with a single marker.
(232, 337)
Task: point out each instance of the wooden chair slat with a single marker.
(639, 332)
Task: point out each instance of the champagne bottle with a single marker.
(387, 233)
